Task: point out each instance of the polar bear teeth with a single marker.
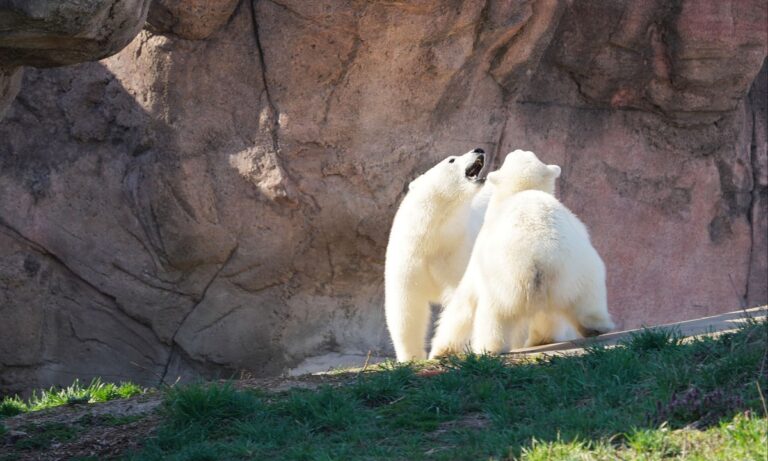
(475, 168)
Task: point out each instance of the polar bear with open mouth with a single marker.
(429, 247)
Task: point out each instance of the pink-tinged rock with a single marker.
(686, 60)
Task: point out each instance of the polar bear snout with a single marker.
(473, 170)
(478, 151)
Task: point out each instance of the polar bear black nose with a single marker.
(478, 151)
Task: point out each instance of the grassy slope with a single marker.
(654, 397)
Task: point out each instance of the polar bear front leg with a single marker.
(408, 316)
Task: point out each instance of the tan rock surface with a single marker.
(222, 205)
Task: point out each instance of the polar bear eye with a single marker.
(451, 160)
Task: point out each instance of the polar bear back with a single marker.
(537, 249)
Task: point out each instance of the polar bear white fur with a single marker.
(429, 247)
(542, 327)
(532, 261)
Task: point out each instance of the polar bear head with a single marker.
(456, 177)
(522, 170)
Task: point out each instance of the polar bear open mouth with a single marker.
(473, 171)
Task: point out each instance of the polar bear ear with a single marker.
(493, 177)
(554, 170)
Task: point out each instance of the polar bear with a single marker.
(541, 328)
(429, 247)
(532, 262)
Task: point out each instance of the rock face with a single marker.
(221, 205)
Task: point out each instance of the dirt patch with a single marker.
(100, 431)
(469, 421)
(98, 438)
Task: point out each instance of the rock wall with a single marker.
(215, 199)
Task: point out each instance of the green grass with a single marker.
(741, 438)
(653, 397)
(96, 391)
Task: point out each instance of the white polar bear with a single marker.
(542, 327)
(532, 260)
(429, 246)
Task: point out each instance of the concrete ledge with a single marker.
(715, 324)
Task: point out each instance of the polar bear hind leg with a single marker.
(454, 327)
(590, 310)
(492, 326)
(550, 327)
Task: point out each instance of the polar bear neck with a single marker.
(442, 218)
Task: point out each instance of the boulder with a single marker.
(45, 33)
